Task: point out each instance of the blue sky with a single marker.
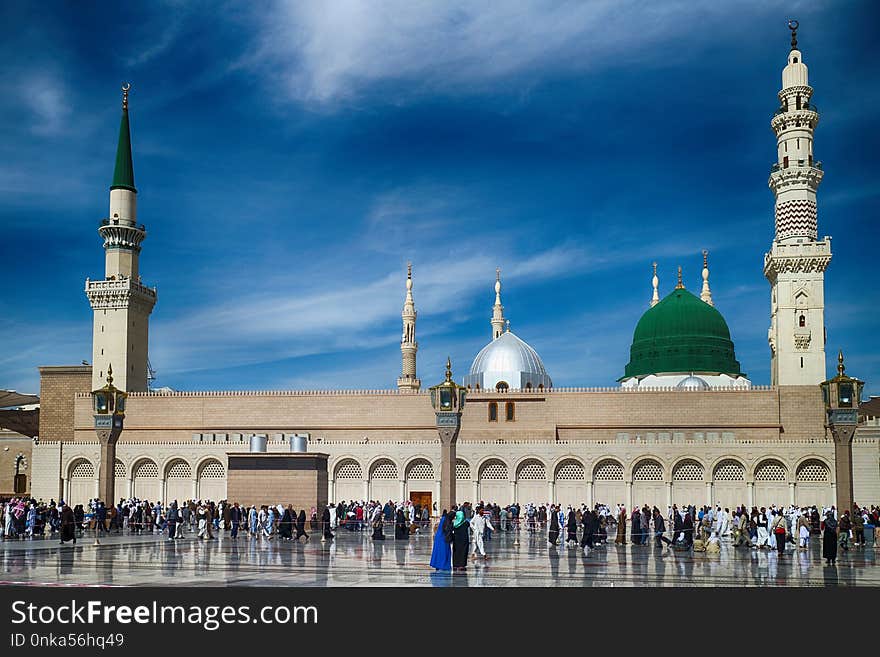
(292, 157)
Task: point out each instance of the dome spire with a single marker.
(497, 310)
(680, 285)
(793, 26)
(655, 282)
(706, 294)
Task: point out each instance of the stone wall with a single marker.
(58, 387)
(14, 448)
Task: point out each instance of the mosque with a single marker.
(683, 423)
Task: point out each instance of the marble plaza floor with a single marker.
(352, 559)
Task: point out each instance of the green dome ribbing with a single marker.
(681, 334)
(123, 174)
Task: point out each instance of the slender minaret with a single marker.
(655, 282)
(121, 304)
(497, 309)
(706, 293)
(408, 344)
(796, 263)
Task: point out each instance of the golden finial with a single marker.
(409, 270)
(125, 89)
(448, 368)
(507, 324)
(110, 375)
(497, 273)
(705, 258)
(680, 285)
(793, 26)
(840, 367)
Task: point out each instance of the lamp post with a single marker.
(448, 399)
(109, 406)
(841, 396)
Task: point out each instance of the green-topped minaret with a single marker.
(123, 173)
(121, 302)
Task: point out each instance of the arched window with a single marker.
(509, 412)
(802, 321)
(493, 411)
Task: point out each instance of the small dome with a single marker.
(680, 335)
(693, 383)
(507, 360)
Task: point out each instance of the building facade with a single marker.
(683, 426)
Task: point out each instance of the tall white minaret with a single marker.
(706, 293)
(655, 283)
(408, 344)
(795, 265)
(497, 309)
(121, 303)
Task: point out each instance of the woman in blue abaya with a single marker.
(441, 555)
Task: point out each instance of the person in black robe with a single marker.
(553, 536)
(378, 524)
(572, 526)
(325, 523)
(815, 522)
(461, 541)
(68, 525)
(687, 526)
(589, 528)
(301, 525)
(829, 540)
(401, 532)
(285, 525)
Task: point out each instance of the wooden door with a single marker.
(421, 498)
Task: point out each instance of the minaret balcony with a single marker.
(119, 293)
(122, 234)
(795, 176)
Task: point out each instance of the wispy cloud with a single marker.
(328, 51)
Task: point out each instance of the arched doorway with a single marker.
(212, 481)
(688, 484)
(420, 483)
(145, 482)
(349, 480)
(648, 486)
(813, 485)
(531, 482)
(384, 481)
(19, 482)
(608, 485)
(120, 485)
(771, 485)
(178, 482)
(494, 483)
(570, 485)
(728, 484)
(81, 482)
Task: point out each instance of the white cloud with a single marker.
(324, 51)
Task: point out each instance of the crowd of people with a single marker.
(460, 532)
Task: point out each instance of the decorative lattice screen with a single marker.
(532, 471)
(494, 470)
(179, 470)
(770, 471)
(570, 471)
(730, 471)
(608, 471)
(146, 469)
(688, 471)
(384, 470)
(119, 470)
(648, 471)
(462, 470)
(213, 470)
(349, 469)
(420, 470)
(82, 470)
(812, 471)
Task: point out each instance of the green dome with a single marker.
(680, 335)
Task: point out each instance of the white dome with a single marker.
(507, 359)
(693, 383)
